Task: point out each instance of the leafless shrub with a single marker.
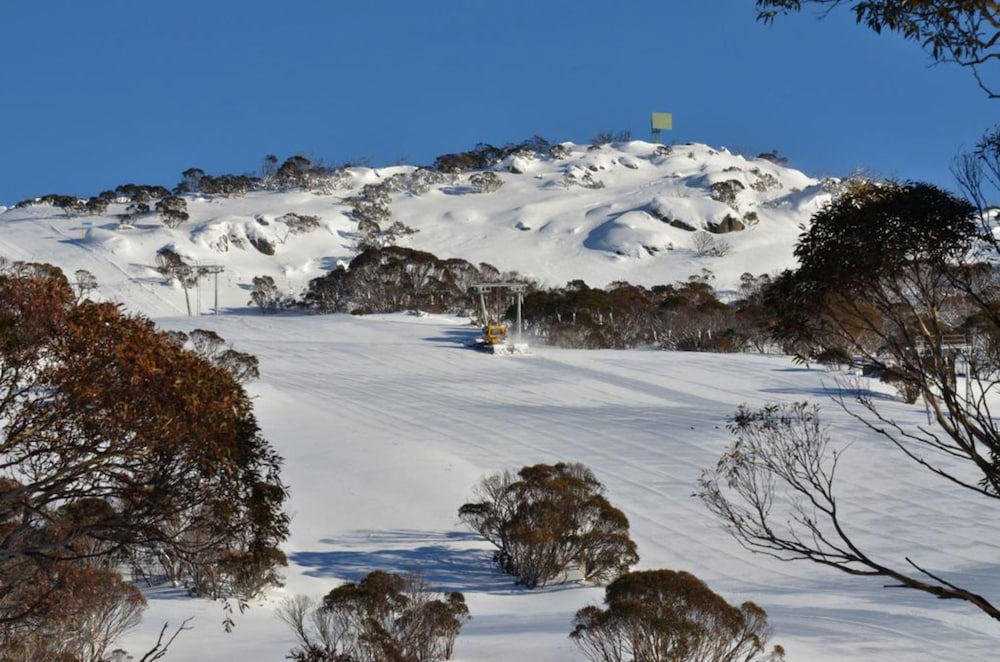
(299, 223)
(486, 182)
(705, 245)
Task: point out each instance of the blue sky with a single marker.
(99, 93)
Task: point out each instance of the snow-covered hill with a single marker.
(387, 422)
(627, 211)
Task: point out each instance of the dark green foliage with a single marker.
(873, 230)
(227, 185)
(549, 519)
(391, 279)
(173, 210)
(141, 193)
(671, 616)
(686, 316)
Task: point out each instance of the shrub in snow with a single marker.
(97, 206)
(671, 615)
(560, 151)
(173, 210)
(546, 520)
(299, 223)
(485, 182)
(773, 157)
(371, 204)
(705, 245)
(394, 279)
(156, 453)
(86, 283)
(418, 182)
(243, 366)
(140, 192)
(133, 212)
(212, 347)
(383, 617)
(266, 295)
(725, 191)
(88, 610)
(486, 156)
(765, 181)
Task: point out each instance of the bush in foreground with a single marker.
(383, 617)
(118, 443)
(548, 519)
(671, 616)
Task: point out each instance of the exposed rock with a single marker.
(729, 224)
(261, 244)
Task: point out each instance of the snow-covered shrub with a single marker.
(560, 151)
(299, 223)
(486, 182)
(418, 182)
(671, 615)
(580, 177)
(602, 138)
(371, 204)
(725, 191)
(385, 616)
(548, 520)
(765, 181)
(705, 245)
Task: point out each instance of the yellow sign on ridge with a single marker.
(663, 121)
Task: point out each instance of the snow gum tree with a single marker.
(897, 277)
(116, 443)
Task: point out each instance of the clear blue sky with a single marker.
(99, 93)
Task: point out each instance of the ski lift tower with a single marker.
(205, 269)
(496, 337)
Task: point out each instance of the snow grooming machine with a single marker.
(495, 338)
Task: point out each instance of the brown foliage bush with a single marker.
(117, 442)
(670, 616)
(383, 618)
(548, 519)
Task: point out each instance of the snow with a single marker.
(543, 223)
(386, 422)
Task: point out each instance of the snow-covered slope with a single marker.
(546, 222)
(387, 422)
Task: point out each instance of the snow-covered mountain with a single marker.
(626, 211)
